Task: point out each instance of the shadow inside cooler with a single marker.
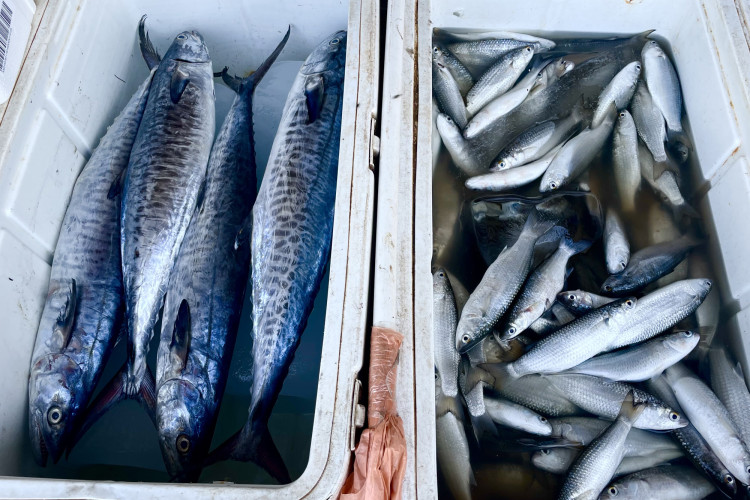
(467, 223)
(98, 67)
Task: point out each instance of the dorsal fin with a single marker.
(150, 55)
(64, 321)
(181, 336)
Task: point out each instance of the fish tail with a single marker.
(483, 425)
(630, 410)
(113, 393)
(536, 225)
(575, 247)
(251, 82)
(255, 446)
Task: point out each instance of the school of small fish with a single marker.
(165, 216)
(583, 348)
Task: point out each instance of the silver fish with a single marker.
(462, 152)
(603, 398)
(167, 167)
(448, 94)
(711, 419)
(516, 416)
(729, 385)
(649, 122)
(499, 285)
(618, 91)
(649, 264)
(559, 460)
(445, 319)
(583, 430)
(581, 302)
(292, 225)
(498, 78)
(504, 104)
(539, 140)
(667, 482)
(663, 84)
(542, 287)
(616, 246)
(452, 446)
(574, 343)
(462, 76)
(535, 392)
(642, 361)
(627, 171)
(696, 448)
(707, 314)
(479, 55)
(206, 289)
(667, 187)
(510, 178)
(83, 311)
(598, 462)
(577, 154)
(662, 309)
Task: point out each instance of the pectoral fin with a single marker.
(181, 336)
(315, 94)
(66, 315)
(180, 79)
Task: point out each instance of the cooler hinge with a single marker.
(358, 414)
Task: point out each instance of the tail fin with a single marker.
(239, 84)
(575, 247)
(257, 447)
(536, 225)
(113, 393)
(630, 411)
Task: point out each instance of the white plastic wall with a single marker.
(82, 66)
(710, 49)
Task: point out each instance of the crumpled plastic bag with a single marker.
(380, 457)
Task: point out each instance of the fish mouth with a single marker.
(189, 62)
(43, 452)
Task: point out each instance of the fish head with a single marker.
(618, 310)
(699, 289)
(184, 429)
(613, 284)
(629, 489)
(188, 46)
(440, 283)
(652, 49)
(327, 56)
(563, 66)
(467, 332)
(576, 300)
(553, 459)
(552, 181)
(55, 400)
(669, 418)
(682, 341)
(438, 53)
(504, 162)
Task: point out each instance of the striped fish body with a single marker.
(166, 169)
(84, 306)
(293, 225)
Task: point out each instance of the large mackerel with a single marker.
(206, 290)
(164, 176)
(84, 306)
(291, 240)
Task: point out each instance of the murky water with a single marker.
(460, 246)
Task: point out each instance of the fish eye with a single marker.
(673, 416)
(436, 50)
(571, 297)
(465, 339)
(181, 37)
(512, 330)
(612, 491)
(687, 334)
(622, 115)
(546, 452)
(638, 66)
(441, 274)
(54, 415)
(707, 283)
(728, 479)
(623, 265)
(747, 469)
(608, 288)
(553, 185)
(335, 41)
(628, 302)
(502, 164)
(182, 443)
(542, 419)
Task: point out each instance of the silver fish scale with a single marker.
(604, 398)
(585, 429)
(292, 226)
(666, 482)
(731, 390)
(596, 465)
(88, 251)
(167, 167)
(534, 392)
(445, 319)
(658, 311)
